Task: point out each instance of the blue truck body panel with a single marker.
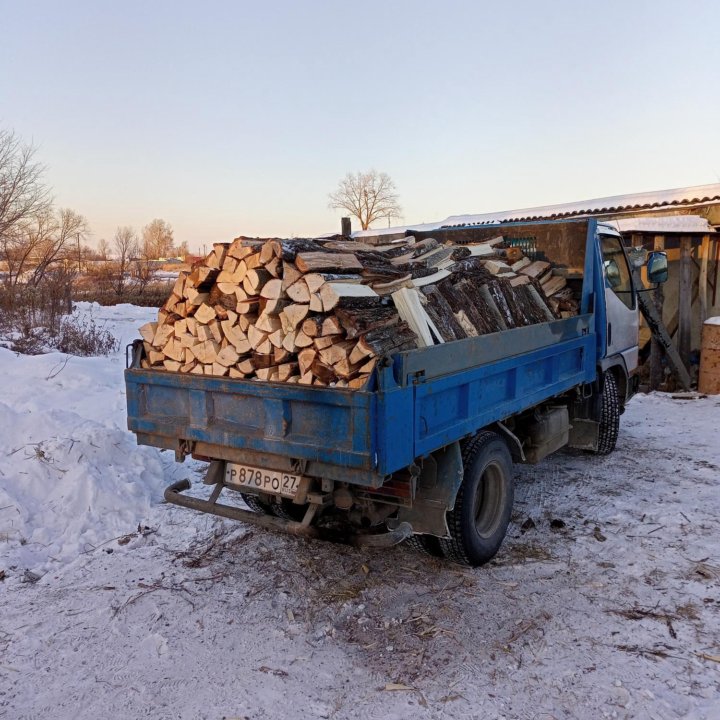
(422, 399)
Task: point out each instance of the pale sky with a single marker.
(229, 118)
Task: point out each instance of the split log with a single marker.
(148, 331)
(316, 303)
(320, 343)
(281, 355)
(387, 340)
(309, 262)
(312, 326)
(256, 336)
(315, 281)
(255, 280)
(331, 326)
(442, 315)
(299, 292)
(206, 352)
(292, 316)
(201, 277)
(205, 313)
(227, 356)
(274, 267)
(271, 290)
(239, 251)
(268, 323)
(285, 370)
(302, 340)
(336, 352)
(554, 284)
(536, 269)
(275, 307)
(344, 295)
(290, 274)
(276, 338)
(289, 249)
(306, 358)
(356, 321)
(195, 297)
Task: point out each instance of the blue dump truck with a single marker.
(425, 454)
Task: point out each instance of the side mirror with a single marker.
(612, 271)
(657, 267)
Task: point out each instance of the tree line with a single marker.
(42, 245)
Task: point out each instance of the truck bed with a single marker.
(421, 401)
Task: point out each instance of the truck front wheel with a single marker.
(479, 520)
(609, 416)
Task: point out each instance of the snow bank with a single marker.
(71, 475)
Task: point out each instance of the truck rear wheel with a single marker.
(256, 504)
(484, 502)
(426, 544)
(609, 416)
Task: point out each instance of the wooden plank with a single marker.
(660, 332)
(554, 284)
(536, 269)
(479, 249)
(410, 309)
(685, 300)
(497, 267)
(656, 348)
(520, 264)
(703, 279)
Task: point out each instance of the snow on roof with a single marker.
(696, 195)
(663, 224)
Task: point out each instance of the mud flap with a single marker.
(437, 487)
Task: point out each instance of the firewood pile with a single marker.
(324, 311)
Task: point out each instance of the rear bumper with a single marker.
(174, 494)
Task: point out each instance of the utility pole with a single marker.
(79, 256)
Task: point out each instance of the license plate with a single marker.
(271, 482)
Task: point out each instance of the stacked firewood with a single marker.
(323, 312)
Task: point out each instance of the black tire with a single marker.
(288, 510)
(256, 504)
(426, 544)
(484, 502)
(609, 416)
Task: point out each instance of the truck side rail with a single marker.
(425, 399)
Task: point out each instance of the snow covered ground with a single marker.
(603, 602)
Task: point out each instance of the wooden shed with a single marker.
(684, 222)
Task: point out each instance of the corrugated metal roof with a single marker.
(662, 224)
(617, 204)
(679, 197)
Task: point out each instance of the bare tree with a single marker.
(41, 243)
(103, 249)
(368, 196)
(125, 244)
(157, 239)
(23, 195)
(182, 249)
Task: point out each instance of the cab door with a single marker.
(620, 302)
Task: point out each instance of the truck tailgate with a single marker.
(330, 426)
